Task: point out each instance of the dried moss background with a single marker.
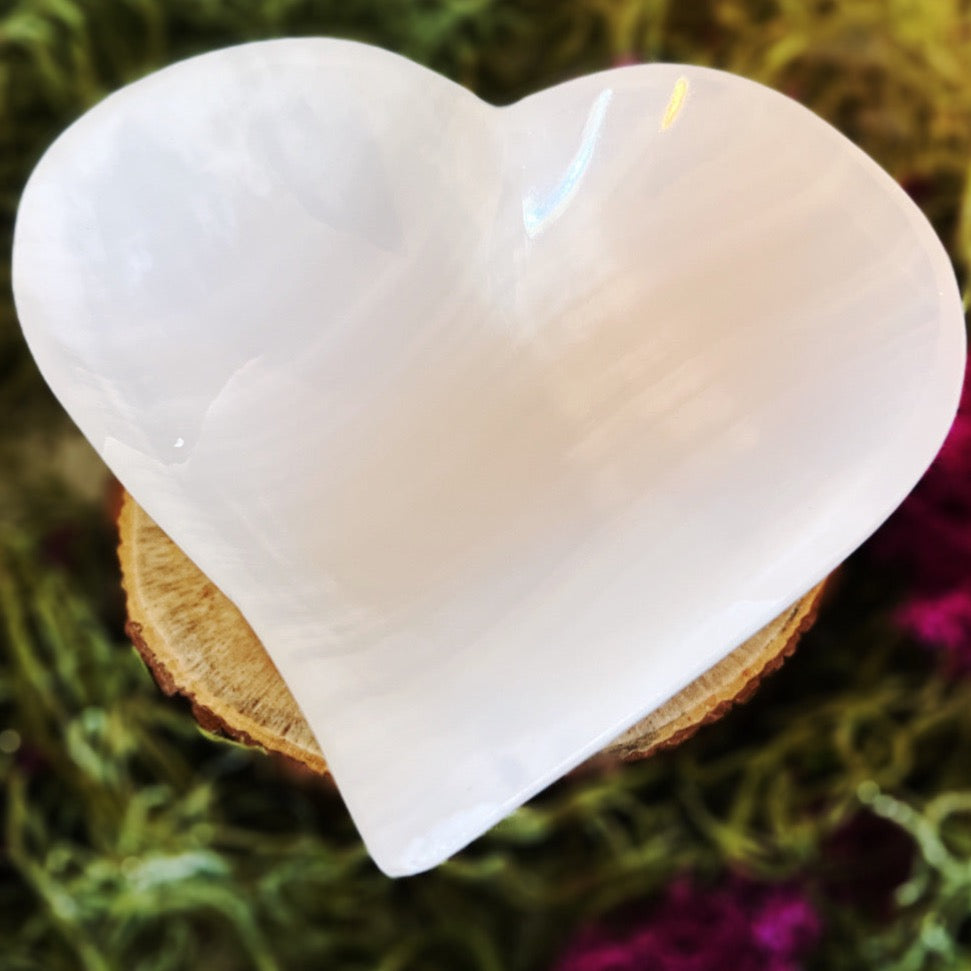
(132, 841)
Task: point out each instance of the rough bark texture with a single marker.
(197, 644)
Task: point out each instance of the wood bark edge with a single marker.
(197, 644)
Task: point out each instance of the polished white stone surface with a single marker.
(498, 425)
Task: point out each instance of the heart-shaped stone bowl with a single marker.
(499, 426)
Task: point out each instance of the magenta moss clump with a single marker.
(930, 537)
(739, 923)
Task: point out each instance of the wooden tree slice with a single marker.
(197, 643)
